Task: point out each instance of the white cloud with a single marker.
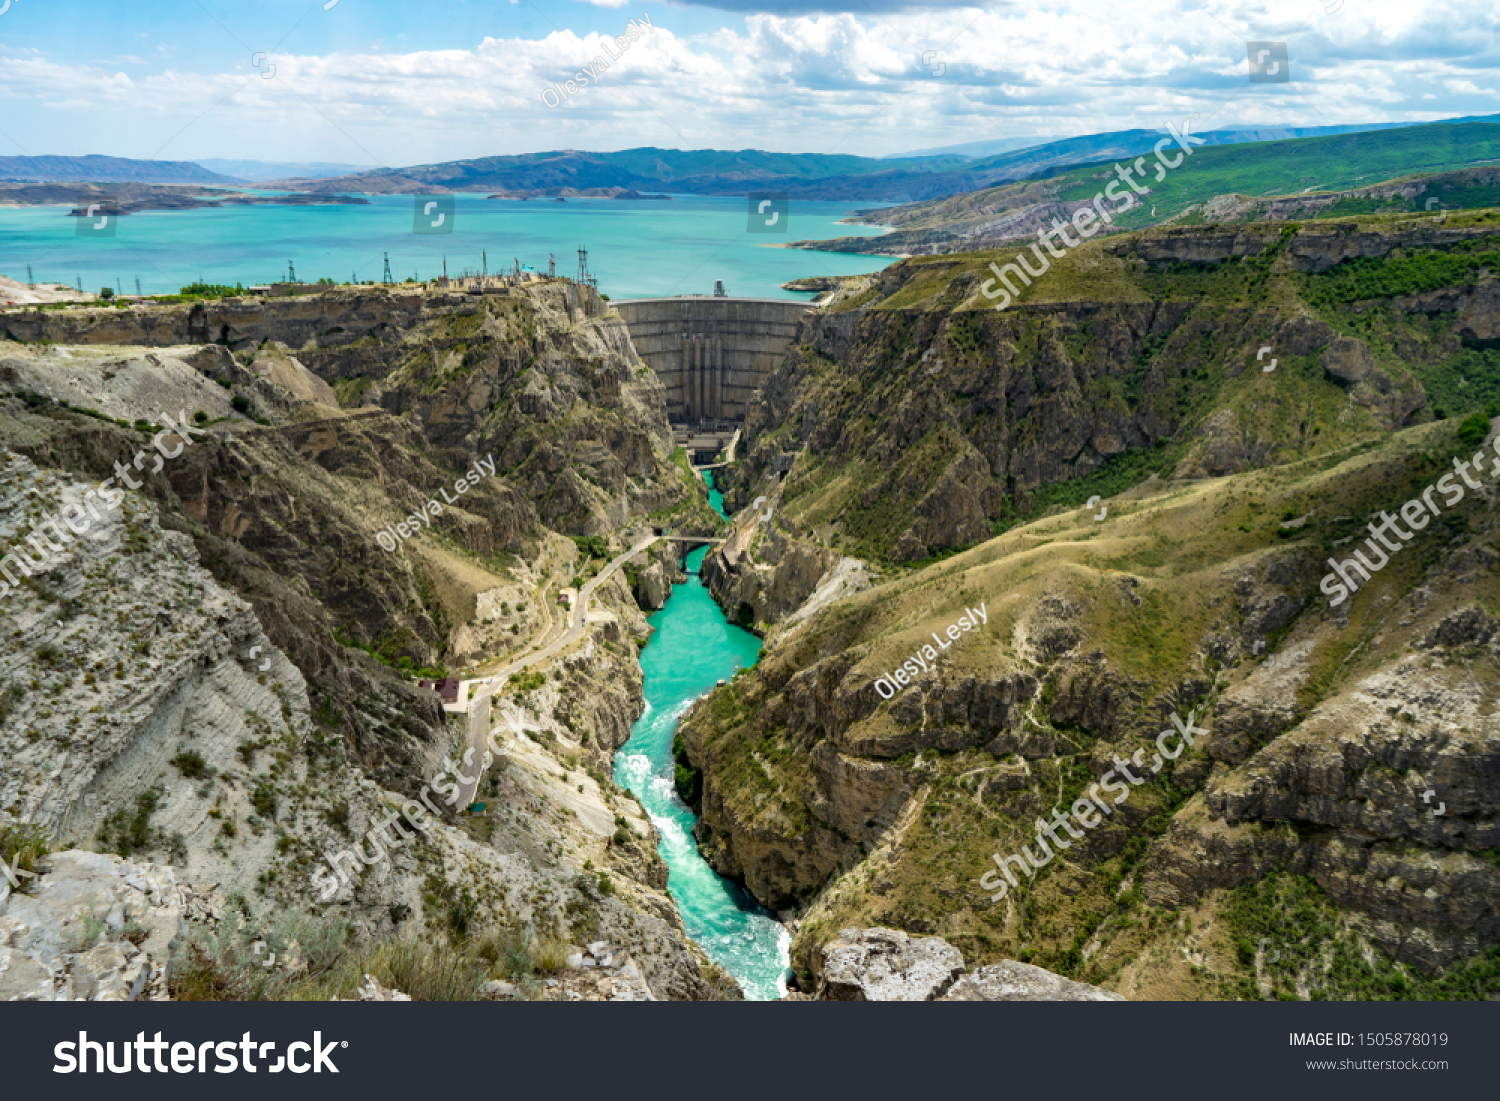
(850, 83)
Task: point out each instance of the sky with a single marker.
(400, 82)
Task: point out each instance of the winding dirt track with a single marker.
(484, 690)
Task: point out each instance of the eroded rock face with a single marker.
(926, 418)
(768, 578)
(173, 690)
(1354, 772)
(1391, 400)
(275, 362)
(1349, 360)
(652, 588)
(341, 317)
(852, 790)
(1313, 247)
(887, 965)
(1325, 743)
(96, 928)
(1470, 626)
(1009, 981)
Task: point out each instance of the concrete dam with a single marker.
(710, 353)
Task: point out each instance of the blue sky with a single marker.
(394, 83)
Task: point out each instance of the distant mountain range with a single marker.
(973, 149)
(255, 171)
(696, 171)
(96, 169)
(931, 174)
(976, 150)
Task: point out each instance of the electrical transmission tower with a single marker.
(291, 272)
(551, 267)
(387, 277)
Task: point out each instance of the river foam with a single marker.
(694, 647)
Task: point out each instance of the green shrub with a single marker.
(687, 779)
(519, 956)
(337, 816)
(211, 290)
(592, 546)
(124, 833)
(263, 799)
(190, 763)
(1473, 429)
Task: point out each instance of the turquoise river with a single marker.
(693, 648)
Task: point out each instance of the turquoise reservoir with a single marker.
(639, 248)
(692, 649)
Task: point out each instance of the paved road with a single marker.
(483, 690)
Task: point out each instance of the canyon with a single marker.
(222, 678)
(1148, 514)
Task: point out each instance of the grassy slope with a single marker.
(1188, 378)
(1280, 168)
(1291, 167)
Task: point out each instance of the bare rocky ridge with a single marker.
(886, 965)
(97, 928)
(763, 574)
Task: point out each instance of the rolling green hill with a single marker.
(1334, 163)
(1380, 171)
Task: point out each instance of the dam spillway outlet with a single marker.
(711, 353)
